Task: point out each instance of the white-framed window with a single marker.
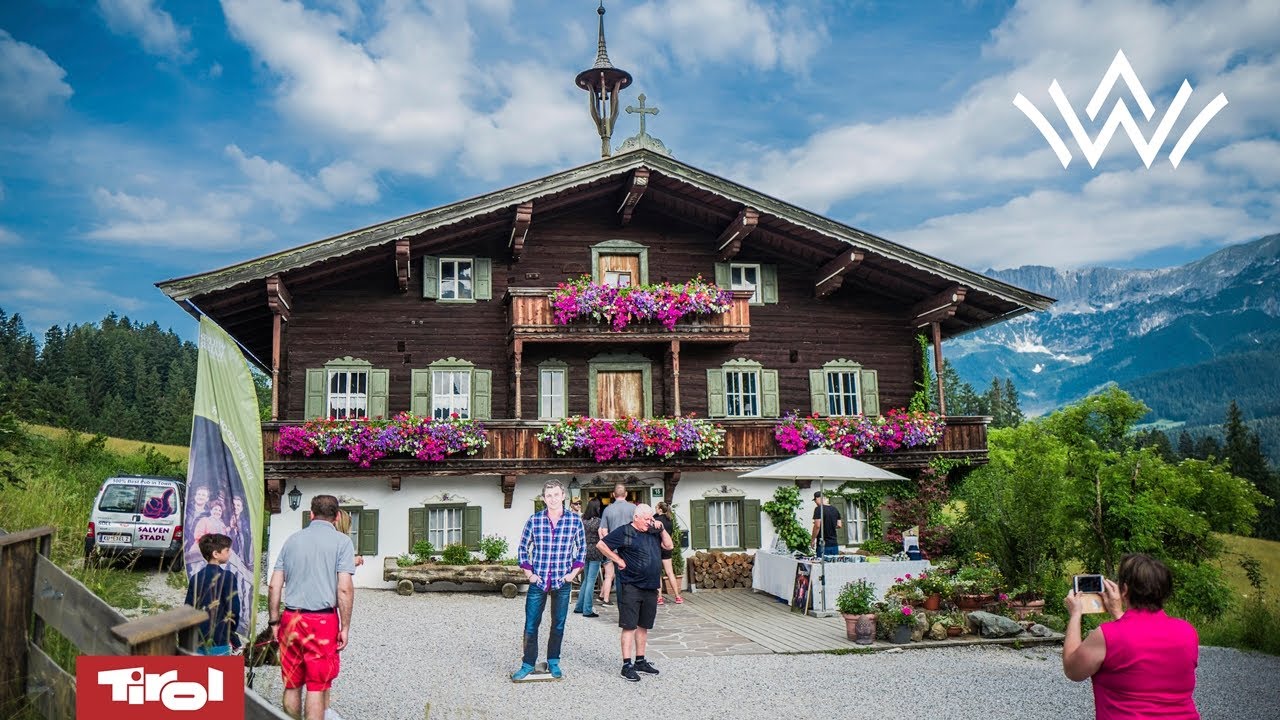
(745, 277)
(354, 532)
(842, 392)
(722, 524)
(348, 394)
(742, 393)
(617, 278)
(856, 521)
(455, 279)
(551, 393)
(450, 393)
(444, 526)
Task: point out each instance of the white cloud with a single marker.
(31, 83)
(348, 181)
(153, 27)
(213, 222)
(9, 237)
(726, 31)
(45, 290)
(215, 71)
(275, 183)
(1259, 159)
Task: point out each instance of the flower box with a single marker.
(628, 438)
(365, 441)
(618, 307)
(858, 434)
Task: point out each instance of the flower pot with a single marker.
(955, 631)
(933, 602)
(861, 628)
(901, 635)
(1028, 608)
(974, 602)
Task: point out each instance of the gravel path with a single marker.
(454, 652)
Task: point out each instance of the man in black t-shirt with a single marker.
(636, 549)
(826, 520)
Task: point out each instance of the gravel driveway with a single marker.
(454, 652)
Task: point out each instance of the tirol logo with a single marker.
(160, 688)
(1120, 115)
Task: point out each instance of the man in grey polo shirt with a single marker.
(313, 575)
(618, 513)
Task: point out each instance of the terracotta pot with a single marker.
(860, 628)
(974, 602)
(933, 602)
(1026, 609)
(955, 631)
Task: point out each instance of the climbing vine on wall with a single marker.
(782, 513)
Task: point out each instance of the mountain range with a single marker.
(1186, 340)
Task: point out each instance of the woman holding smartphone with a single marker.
(1143, 662)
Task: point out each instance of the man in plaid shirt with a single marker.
(551, 552)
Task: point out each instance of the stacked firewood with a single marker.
(721, 570)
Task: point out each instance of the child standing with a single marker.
(215, 590)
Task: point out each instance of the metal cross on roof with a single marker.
(642, 110)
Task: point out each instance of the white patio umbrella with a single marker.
(822, 465)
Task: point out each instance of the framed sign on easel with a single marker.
(801, 595)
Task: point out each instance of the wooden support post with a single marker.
(158, 634)
(517, 350)
(520, 228)
(276, 322)
(404, 269)
(394, 483)
(675, 377)
(18, 553)
(669, 482)
(508, 485)
(937, 366)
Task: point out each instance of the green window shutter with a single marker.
(315, 405)
(715, 395)
(417, 526)
(431, 277)
(306, 519)
(818, 392)
(483, 272)
(368, 532)
(870, 393)
(769, 284)
(723, 278)
(769, 393)
(471, 527)
(378, 381)
(750, 523)
(699, 531)
(481, 394)
(420, 398)
(842, 532)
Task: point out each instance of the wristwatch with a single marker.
(272, 622)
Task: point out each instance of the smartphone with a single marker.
(1088, 584)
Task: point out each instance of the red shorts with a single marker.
(308, 649)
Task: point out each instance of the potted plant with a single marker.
(906, 591)
(933, 585)
(1025, 600)
(954, 622)
(854, 603)
(975, 586)
(895, 623)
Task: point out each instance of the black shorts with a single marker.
(637, 607)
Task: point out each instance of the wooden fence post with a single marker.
(18, 552)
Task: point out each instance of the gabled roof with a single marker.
(914, 274)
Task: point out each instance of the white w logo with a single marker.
(1120, 115)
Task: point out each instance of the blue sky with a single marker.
(147, 139)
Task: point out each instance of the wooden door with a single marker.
(620, 393)
(620, 270)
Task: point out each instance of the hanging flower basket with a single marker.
(367, 440)
(858, 434)
(667, 303)
(628, 438)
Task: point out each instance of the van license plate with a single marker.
(118, 539)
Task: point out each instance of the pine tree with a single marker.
(1013, 408)
(1186, 446)
(1244, 456)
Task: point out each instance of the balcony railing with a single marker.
(531, 320)
(514, 448)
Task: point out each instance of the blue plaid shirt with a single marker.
(552, 551)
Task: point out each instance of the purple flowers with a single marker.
(665, 302)
(607, 440)
(368, 440)
(858, 435)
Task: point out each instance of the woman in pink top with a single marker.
(1143, 663)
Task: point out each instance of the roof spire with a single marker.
(602, 54)
(603, 81)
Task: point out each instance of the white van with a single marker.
(137, 516)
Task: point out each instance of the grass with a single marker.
(1254, 624)
(115, 445)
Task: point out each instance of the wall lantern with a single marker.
(575, 489)
(295, 497)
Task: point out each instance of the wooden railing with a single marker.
(35, 594)
(531, 320)
(514, 448)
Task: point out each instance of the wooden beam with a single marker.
(517, 353)
(669, 482)
(635, 190)
(278, 297)
(520, 228)
(508, 485)
(275, 365)
(939, 307)
(403, 266)
(831, 275)
(730, 241)
(675, 376)
(394, 483)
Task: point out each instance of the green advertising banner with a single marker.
(224, 474)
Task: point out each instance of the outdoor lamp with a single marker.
(575, 489)
(295, 497)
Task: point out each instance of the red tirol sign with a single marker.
(160, 687)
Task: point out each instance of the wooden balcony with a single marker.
(514, 449)
(531, 321)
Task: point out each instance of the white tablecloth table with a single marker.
(776, 574)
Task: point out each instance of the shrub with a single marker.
(456, 554)
(407, 560)
(855, 597)
(424, 549)
(494, 547)
(892, 616)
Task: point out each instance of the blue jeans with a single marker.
(586, 593)
(534, 604)
(213, 650)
